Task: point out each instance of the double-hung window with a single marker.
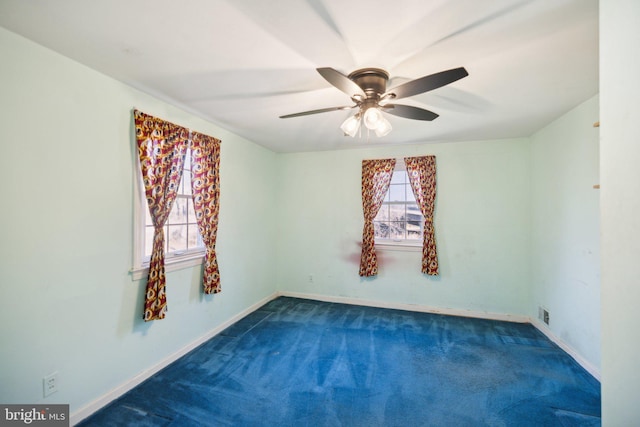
(183, 245)
(399, 221)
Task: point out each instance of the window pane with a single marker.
(193, 236)
(413, 232)
(147, 215)
(383, 213)
(177, 237)
(381, 230)
(397, 212)
(181, 185)
(148, 240)
(397, 230)
(191, 213)
(413, 211)
(178, 213)
(410, 196)
(187, 161)
(200, 242)
(396, 193)
(399, 177)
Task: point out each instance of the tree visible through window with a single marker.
(181, 230)
(399, 218)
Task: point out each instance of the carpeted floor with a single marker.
(298, 362)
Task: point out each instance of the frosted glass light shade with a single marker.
(384, 127)
(351, 125)
(372, 118)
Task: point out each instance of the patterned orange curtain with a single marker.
(376, 177)
(161, 149)
(422, 176)
(205, 187)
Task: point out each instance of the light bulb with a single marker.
(372, 118)
(351, 125)
(384, 127)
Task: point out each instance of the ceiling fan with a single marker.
(367, 88)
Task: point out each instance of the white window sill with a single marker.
(390, 245)
(170, 264)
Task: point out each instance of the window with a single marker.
(181, 229)
(184, 246)
(399, 221)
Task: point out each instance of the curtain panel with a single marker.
(161, 150)
(376, 177)
(422, 176)
(205, 186)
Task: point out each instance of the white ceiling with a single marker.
(243, 63)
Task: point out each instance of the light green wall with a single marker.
(68, 302)
(482, 228)
(565, 229)
(69, 305)
(620, 210)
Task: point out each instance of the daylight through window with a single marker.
(399, 218)
(181, 229)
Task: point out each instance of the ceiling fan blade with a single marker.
(409, 112)
(321, 110)
(427, 83)
(342, 82)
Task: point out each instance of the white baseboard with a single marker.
(409, 307)
(594, 371)
(93, 406)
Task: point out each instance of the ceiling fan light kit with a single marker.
(367, 88)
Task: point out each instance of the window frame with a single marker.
(411, 245)
(173, 261)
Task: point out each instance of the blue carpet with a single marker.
(298, 362)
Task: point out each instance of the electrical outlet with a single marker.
(50, 383)
(545, 318)
(311, 278)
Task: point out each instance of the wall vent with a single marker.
(543, 314)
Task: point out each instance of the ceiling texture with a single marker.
(243, 63)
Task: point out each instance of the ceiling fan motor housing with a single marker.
(373, 81)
